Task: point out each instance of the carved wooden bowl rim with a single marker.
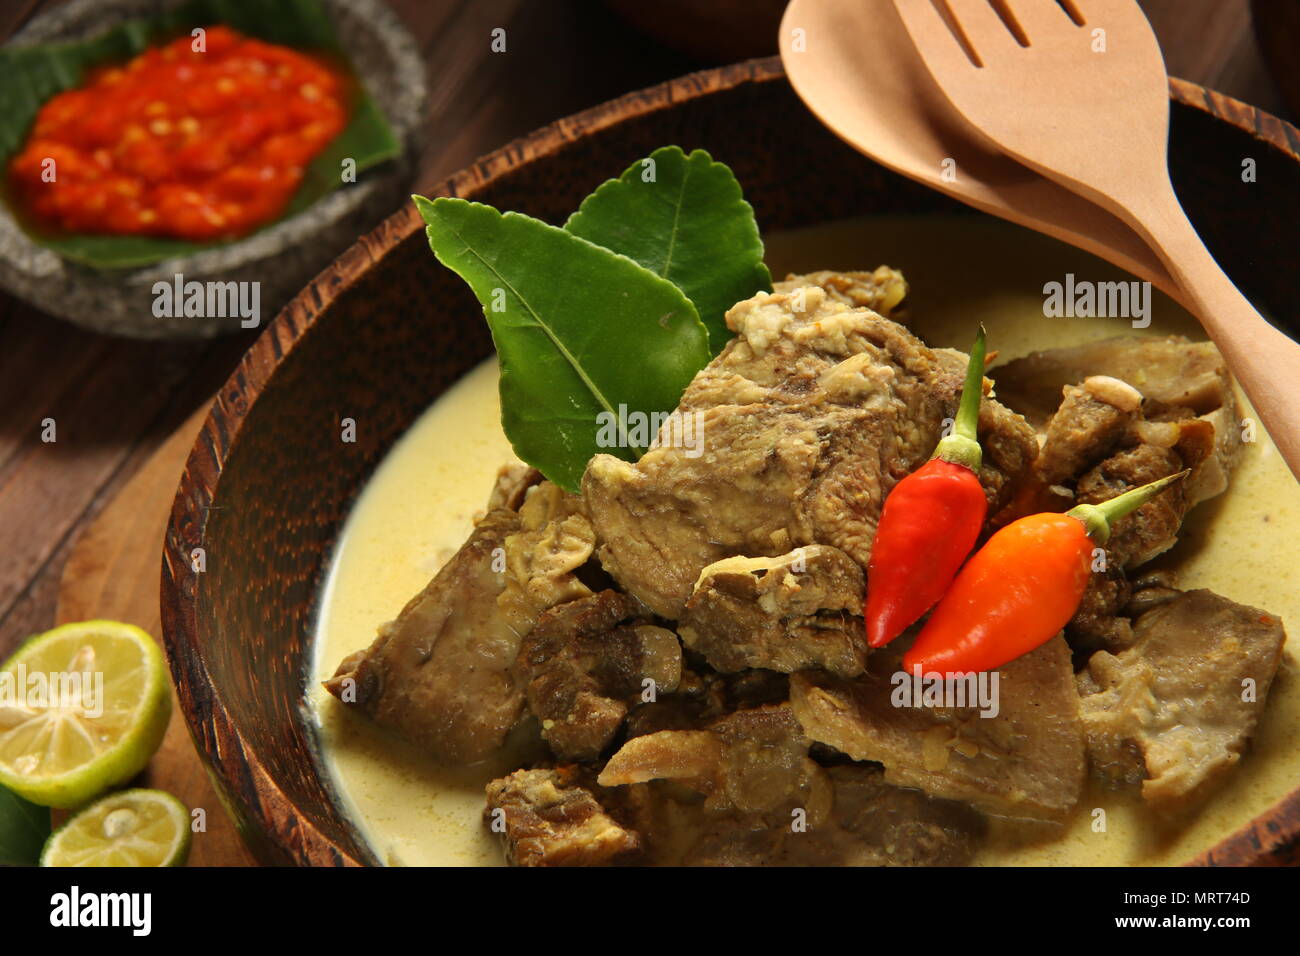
(1272, 837)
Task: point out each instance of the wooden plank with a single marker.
(43, 360)
(98, 420)
(50, 493)
(13, 16)
(559, 59)
(113, 572)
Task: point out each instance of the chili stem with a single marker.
(1097, 519)
(962, 447)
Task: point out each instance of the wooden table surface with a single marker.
(116, 401)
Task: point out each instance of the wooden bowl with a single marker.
(384, 331)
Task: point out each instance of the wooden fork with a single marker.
(1077, 90)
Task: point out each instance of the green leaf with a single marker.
(34, 74)
(579, 331)
(689, 224)
(24, 828)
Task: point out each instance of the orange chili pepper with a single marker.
(1021, 588)
(930, 521)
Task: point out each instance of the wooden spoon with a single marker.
(855, 67)
(1082, 97)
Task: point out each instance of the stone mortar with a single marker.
(283, 257)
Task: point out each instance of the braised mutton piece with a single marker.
(1153, 528)
(870, 823)
(1188, 403)
(548, 818)
(799, 610)
(754, 760)
(1027, 761)
(875, 824)
(809, 417)
(582, 666)
(511, 486)
(1175, 710)
(542, 558)
(701, 698)
(1144, 409)
(1167, 371)
(881, 291)
(767, 804)
(751, 769)
(440, 675)
(1092, 419)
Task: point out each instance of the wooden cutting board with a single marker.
(113, 572)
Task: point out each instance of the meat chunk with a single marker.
(867, 823)
(1177, 379)
(1137, 537)
(547, 818)
(1100, 621)
(1152, 529)
(441, 674)
(876, 824)
(581, 667)
(511, 485)
(753, 761)
(701, 698)
(542, 557)
(1099, 443)
(1025, 761)
(1176, 710)
(1140, 536)
(755, 688)
(753, 770)
(1167, 371)
(809, 418)
(766, 803)
(688, 756)
(1007, 440)
(799, 610)
(1149, 590)
(1089, 423)
(1152, 450)
(765, 765)
(881, 291)
(871, 824)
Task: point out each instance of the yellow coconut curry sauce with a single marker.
(420, 506)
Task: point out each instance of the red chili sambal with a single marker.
(181, 143)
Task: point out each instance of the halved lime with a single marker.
(82, 709)
(131, 828)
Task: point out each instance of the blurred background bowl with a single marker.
(713, 31)
(283, 256)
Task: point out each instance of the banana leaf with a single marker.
(34, 74)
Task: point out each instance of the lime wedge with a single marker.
(82, 709)
(131, 828)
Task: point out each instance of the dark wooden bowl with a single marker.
(383, 331)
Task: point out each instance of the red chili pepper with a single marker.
(930, 522)
(1020, 589)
